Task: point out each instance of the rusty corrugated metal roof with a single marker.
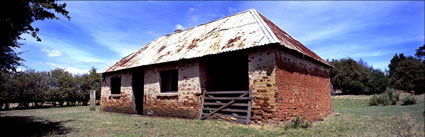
(239, 31)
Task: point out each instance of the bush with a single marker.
(375, 100)
(389, 97)
(394, 96)
(409, 100)
(298, 122)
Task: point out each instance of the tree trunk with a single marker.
(6, 106)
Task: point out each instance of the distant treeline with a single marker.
(57, 87)
(357, 77)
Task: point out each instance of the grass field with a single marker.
(355, 118)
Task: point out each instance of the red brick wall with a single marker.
(284, 85)
(303, 87)
(261, 62)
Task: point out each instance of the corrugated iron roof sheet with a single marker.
(239, 31)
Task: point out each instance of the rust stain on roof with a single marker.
(215, 46)
(236, 32)
(285, 38)
(160, 49)
(193, 44)
(241, 43)
(182, 46)
(160, 57)
(231, 42)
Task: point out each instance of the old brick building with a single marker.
(241, 67)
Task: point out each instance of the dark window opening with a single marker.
(169, 80)
(138, 90)
(227, 72)
(116, 85)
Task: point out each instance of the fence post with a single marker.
(93, 100)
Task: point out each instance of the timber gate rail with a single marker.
(227, 105)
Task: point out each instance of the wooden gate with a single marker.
(227, 105)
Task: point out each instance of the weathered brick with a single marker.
(283, 84)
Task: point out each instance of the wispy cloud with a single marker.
(68, 68)
(51, 53)
(373, 31)
(231, 10)
(179, 27)
(101, 33)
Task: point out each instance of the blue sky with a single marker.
(101, 33)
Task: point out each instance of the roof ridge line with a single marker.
(265, 28)
(210, 22)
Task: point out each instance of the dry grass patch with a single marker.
(356, 119)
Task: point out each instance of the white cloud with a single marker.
(192, 9)
(51, 53)
(76, 70)
(195, 19)
(179, 26)
(73, 70)
(231, 10)
(212, 15)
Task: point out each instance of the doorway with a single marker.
(227, 72)
(227, 95)
(138, 90)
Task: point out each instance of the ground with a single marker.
(352, 117)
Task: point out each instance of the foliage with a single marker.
(90, 82)
(56, 86)
(392, 95)
(420, 52)
(16, 17)
(377, 82)
(298, 122)
(407, 73)
(376, 100)
(6, 95)
(408, 100)
(349, 76)
(356, 77)
(389, 97)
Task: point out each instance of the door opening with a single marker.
(138, 90)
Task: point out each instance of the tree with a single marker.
(349, 76)
(16, 17)
(58, 86)
(62, 87)
(6, 96)
(420, 52)
(407, 73)
(94, 79)
(377, 82)
(41, 88)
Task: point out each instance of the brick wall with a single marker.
(303, 87)
(185, 102)
(123, 103)
(261, 71)
(284, 85)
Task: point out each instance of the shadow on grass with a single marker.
(18, 126)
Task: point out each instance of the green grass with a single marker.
(356, 119)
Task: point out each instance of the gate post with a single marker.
(93, 100)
